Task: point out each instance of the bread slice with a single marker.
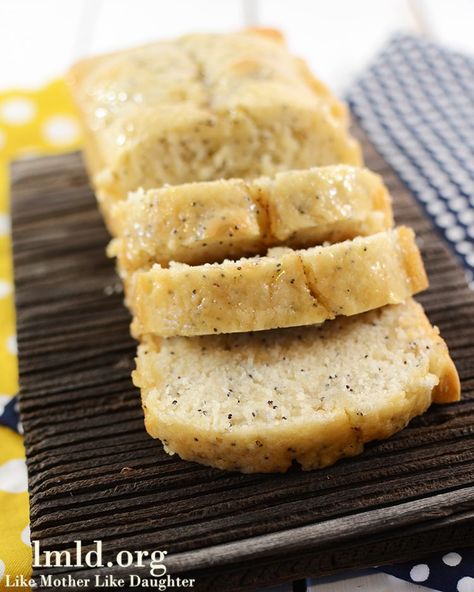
(204, 107)
(204, 222)
(257, 402)
(286, 288)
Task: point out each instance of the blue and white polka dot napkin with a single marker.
(449, 572)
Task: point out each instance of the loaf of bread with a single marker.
(284, 289)
(210, 221)
(258, 402)
(204, 107)
(217, 140)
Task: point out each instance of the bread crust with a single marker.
(313, 440)
(204, 222)
(204, 107)
(286, 288)
(207, 107)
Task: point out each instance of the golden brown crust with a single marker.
(268, 33)
(412, 260)
(448, 390)
(285, 289)
(215, 97)
(383, 202)
(168, 122)
(197, 223)
(449, 387)
(312, 439)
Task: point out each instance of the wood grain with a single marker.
(95, 474)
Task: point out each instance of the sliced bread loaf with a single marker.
(257, 402)
(286, 288)
(204, 222)
(203, 107)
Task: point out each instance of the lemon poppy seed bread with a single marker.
(204, 151)
(204, 107)
(286, 288)
(204, 222)
(257, 402)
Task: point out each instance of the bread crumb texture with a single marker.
(203, 107)
(312, 395)
(209, 221)
(284, 289)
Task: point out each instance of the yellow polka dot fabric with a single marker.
(31, 123)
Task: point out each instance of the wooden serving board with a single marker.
(94, 473)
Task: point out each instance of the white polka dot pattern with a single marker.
(416, 103)
(17, 111)
(466, 584)
(25, 535)
(5, 288)
(61, 130)
(13, 476)
(11, 345)
(4, 224)
(420, 573)
(452, 559)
